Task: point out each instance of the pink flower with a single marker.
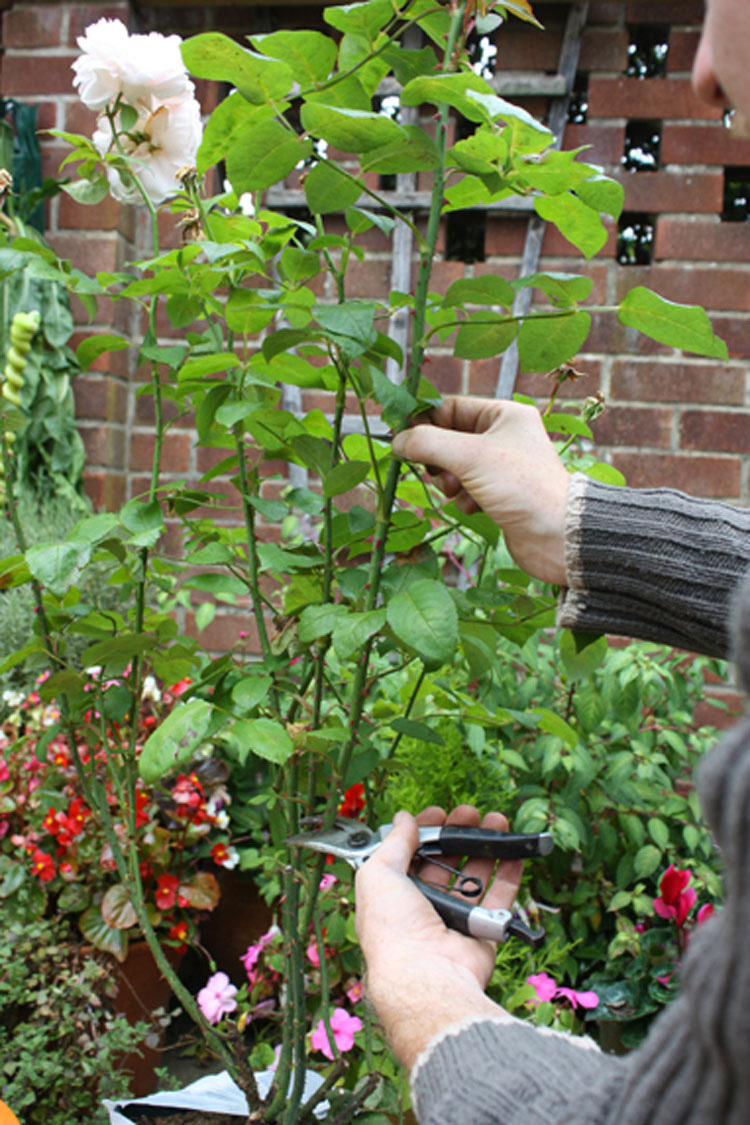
(252, 954)
(5, 774)
(343, 1027)
(676, 899)
(326, 882)
(547, 990)
(355, 993)
(312, 953)
(704, 913)
(217, 998)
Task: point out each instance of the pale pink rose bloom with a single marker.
(138, 67)
(343, 1027)
(217, 998)
(171, 136)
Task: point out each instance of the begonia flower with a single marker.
(217, 997)
(343, 1027)
(354, 801)
(42, 865)
(225, 855)
(166, 891)
(355, 993)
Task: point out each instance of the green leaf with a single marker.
(54, 566)
(576, 221)
(562, 288)
(95, 929)
(416, 152)
(659, 832)
(260, 80)
(318, 621)
(350, 130)
(554, 724)
(582, 653)
(412, 729)
(485, 334)
(546, 342)
(397, 403)
(486, 290)
(603, 194)
(143, 521)
(360, 20)
(351, 632)
(88, 192)
(424, 618)
(116, 653)
(326, 189)
(344, 476)
(224, 129)
(646, 861)
(117, 908)
(246, 313)
(680, 326)
(94, 346)
(264, 154)
(311, 54)
(273, 557)
(175, 740)
(353, 319)
(448, 89)
(408, 64)
(264, 738)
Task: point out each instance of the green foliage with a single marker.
(61, 1045)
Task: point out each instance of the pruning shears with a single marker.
(353, 841)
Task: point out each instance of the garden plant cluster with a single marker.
(402, 658)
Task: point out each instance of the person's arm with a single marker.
(649, 563)
(470, 1060)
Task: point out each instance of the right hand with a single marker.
(495, 455)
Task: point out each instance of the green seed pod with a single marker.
(11, 395)
(13, 376)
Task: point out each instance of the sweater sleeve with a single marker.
(652, 563)
(505, 1072)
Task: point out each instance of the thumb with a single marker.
(398, 848)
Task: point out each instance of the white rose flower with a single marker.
(163, 141)
(138, 67)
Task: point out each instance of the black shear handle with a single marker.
(475, 921)
(482, 843)
(452, 910)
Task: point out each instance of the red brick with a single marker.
(676, 382)
(712, 288)
(711, 143)
(175, 452)
(32, 27)
(607, 142)
(80, 18)
(105, 445)
(223, 634)
(735, 333)
(97, 252)
(445, 373)
(667, 12)
(683, 45)
(106, 490)
(97, 398)
(483, 375)
(715, 431)
(715, 477)
(704, 714)
(702, 241)
(645, 428)
(504, 236)
(605, 11)
(603, 49)
(442, 276)
(647, 97)
(521, 48)
(21, 75)
(652, 192)
(104, 216)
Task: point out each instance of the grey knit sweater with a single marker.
(658, 565)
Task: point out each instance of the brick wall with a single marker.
(671, 419)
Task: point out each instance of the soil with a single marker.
(162, 1115)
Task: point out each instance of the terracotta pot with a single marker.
(140, 990)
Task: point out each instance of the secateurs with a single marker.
(355, 842)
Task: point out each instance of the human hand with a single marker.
(421, 976)
(495, 455)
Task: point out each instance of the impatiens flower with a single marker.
(4, 771)
(343, 1027)
(217, 998)
(547, 990)
(677, 898)
(135, 67)
(327, 882)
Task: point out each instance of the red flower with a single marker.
(354, 801)
(220, 854)
(180, 687)
(42, 865)
(166, 891)
(677, 899)
(142, 802)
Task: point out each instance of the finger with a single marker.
(431, 445)
(398, 848)
(465, 815)
(430, 816)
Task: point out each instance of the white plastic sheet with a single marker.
(216, 1093)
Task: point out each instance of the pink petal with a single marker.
(544, 985)
(704, 913)
(663, 909)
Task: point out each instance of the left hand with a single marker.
(421, 976)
